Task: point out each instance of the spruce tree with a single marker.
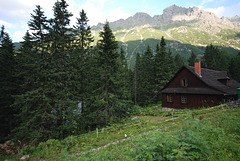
(31, 101)
(192, 59)
(178, 61)
(165, 67)
(216, 59)
(60, 33)
(83, 33)
(38, 26)
(49, 102)
(7, 84)
(107, 100)
(137, 72)
(123, 85)
(147, 80)
(234, 67)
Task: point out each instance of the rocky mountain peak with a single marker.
(175, 16)
(174, 10)
(141, 15)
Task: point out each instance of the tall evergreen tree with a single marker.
(165, 67)
(178, 61)
(137, 72)
(38, 26)
(83, 32)
(216, 59)
(32, 101)
(234, 67)
(192, 59)
(7, 84)
(147, 81)
(49, 105)
(60, 33)
(210, 56)
(106, 99)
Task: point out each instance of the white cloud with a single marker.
(101, 2)
(14, 14)
(225, 11)
(217, 11)
(6, 24)
(17, 36)
(117, 14)
(203, 2)
(143, 1)
(97, 13)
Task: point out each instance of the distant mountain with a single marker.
(190, 28)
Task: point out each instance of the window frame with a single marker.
(184, 82)
(169, 98)
(184, 99)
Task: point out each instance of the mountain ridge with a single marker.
(175, 15)
(185, 29)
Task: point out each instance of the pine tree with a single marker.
(38, 26)
(7, 84)
(210, 57)
(164, 65)
(216, 59)
(106, 99)
(123, 85)
(234, 67)
(192, 59)
(83, 32)
(137, 71)
(60, 34)
(146, 84)
(31, 101)
(178, 61)
(49, 102)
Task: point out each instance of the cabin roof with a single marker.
(211, 78)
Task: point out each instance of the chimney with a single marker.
(197, 67)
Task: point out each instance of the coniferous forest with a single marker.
(59, 84)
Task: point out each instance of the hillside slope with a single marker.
(174, 135)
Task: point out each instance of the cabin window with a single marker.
(184, 99)
(184, 83)
(169, 98)
(228, 83)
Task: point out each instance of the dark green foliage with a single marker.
(146, 79)
(164, 66)
(7, 84)
(216, 59)
(234, 68)
(58, 85)
(107, 95)
(38, 26)
(137, 78)
(178, 61)
(49, 87)
(151, 74)
(192, 59)
(83, 32)
(59, 33)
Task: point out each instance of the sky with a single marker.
(15, 14)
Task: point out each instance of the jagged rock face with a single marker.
(234, 19)
(175, 15)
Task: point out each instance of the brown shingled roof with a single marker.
(212, 79)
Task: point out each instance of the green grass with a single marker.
(202, 134)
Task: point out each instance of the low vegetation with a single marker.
(152, 134)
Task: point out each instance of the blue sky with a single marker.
(14, 14)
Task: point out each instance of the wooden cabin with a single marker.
(194, 87)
